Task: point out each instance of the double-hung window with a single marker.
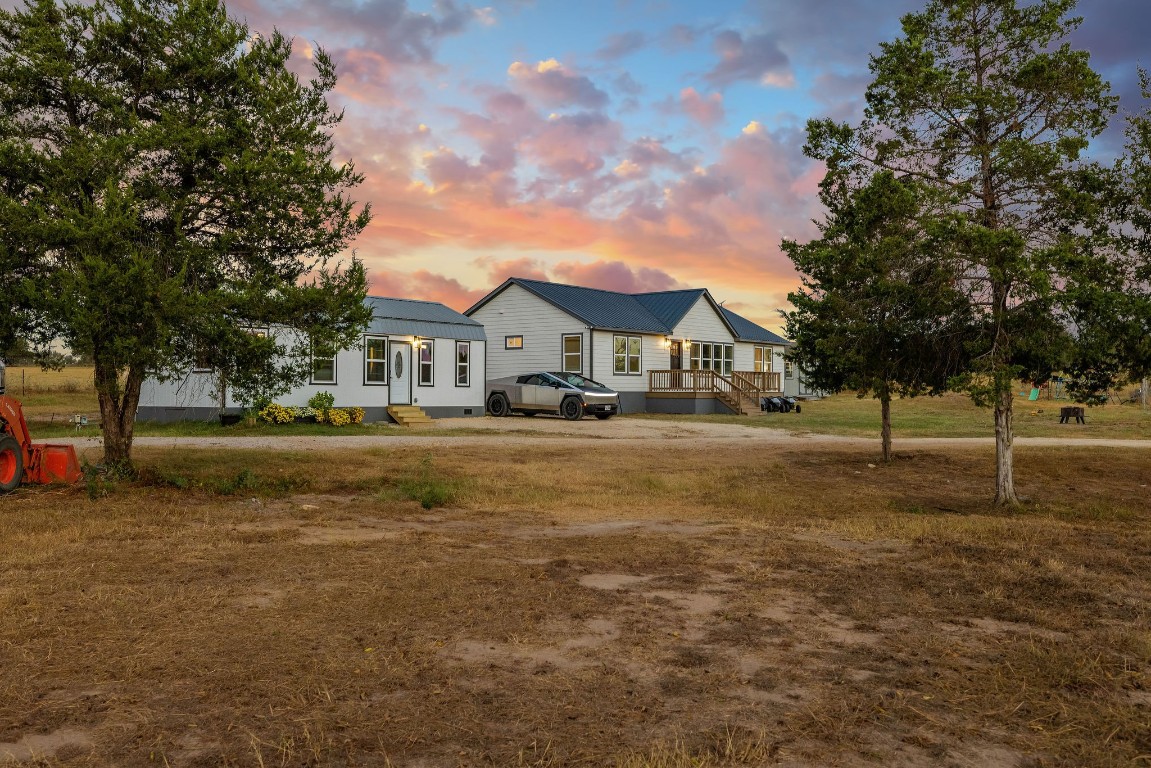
(627, 351)
(323, 367)
(573, 354)
(763, 359)
(463, 363)
(426, 373)
(375, 360)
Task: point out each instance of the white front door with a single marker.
(400, 387)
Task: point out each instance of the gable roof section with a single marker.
(670, 306)
(608, 310)
(749, 331)
(655, 312)
(408, 317)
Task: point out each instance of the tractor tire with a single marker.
(11, 464)
(571, 409)
(498, 406)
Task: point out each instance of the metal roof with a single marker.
(597, 308)
(670, 306)
(655, 312)
(408, 317)
(749, 331)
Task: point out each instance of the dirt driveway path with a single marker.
(551, 431)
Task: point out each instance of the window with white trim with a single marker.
(573, 353)
(426, 373)
(324, 368)
(375, 360)
(712, 357)
(627, 354)
(763, 359)
(463, 364)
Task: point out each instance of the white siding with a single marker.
(703, 323)
(518, 312)
(654, 355)
(745, 356)
(195, 390)
(200, 389)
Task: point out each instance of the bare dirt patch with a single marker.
(643, 607)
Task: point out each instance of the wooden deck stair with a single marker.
(409, 415)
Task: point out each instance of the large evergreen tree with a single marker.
(168, 185)
(985, 102)
(878, 312)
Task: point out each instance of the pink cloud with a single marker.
(554, 85)
(423, 285)
(573, 146)
(757, 57)
(705, 110)
(526, 267)
(616, 276)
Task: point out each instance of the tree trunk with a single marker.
(1143, 393)
(117, 410)
(885, 429)
(1004, 468)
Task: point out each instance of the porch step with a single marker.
(409, 415)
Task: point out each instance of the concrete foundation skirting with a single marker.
(698, 403)
(165, 415)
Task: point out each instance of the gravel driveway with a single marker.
(543, 430)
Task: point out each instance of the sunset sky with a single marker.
(620, 144)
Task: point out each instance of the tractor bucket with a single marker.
(53, 464)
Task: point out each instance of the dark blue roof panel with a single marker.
(408, 317)
(749, 331)
(599, 309)
(670, 306)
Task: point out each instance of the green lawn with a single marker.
(951, 415)
(51, 398)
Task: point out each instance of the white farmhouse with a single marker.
(664, 352)
(414, 355)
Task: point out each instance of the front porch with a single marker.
(700, 391)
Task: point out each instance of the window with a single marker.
(712, 357)
(763, 359)
(201, 357)
(573, 354)
(375, 360)
(513, 342)
(463, 364)
(627, 355)
(788, 369)
(425, 379)
(323, 369)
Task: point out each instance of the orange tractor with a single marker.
(21, 460)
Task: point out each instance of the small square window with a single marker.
(513, 342)
(323, 370)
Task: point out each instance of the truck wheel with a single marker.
(11, 464)
(571, 409)
(498, 405)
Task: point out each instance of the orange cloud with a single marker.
(423, 285)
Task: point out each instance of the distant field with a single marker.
(53, 395)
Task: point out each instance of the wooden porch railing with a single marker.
(741, 386)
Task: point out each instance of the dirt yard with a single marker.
(634, 601)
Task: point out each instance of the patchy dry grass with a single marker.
(642, 608)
